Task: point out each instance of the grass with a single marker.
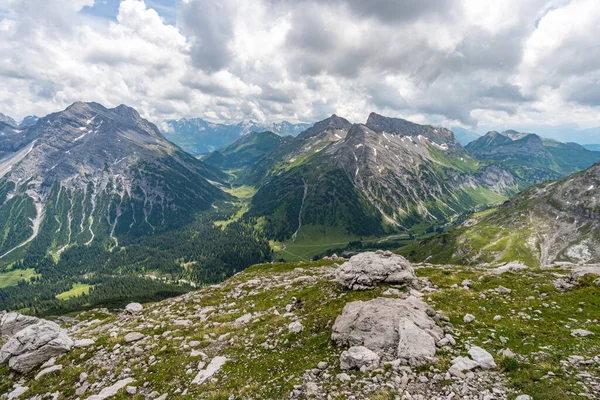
(536, 321)
(77, 290)
(313, 240)
(266, 361)
(12, 277)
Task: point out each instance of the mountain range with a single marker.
(198, 136)
(535, 158)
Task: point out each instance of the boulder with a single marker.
(359, 357)
(366, 270)
(133, 308)
(482, 357)
(35, 345)
(581, 332)
(378, 324)
(11, 323)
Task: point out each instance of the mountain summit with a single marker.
(90, 173)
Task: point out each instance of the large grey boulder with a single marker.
(390, 327)
(366, 270)
(34, 345)
(11, 323)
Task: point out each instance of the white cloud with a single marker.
(454, 61)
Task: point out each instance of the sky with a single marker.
(479, 64)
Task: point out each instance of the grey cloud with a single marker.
(208, 25)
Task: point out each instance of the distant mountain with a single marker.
(366, 179)
(592, 147)
(548, 223)
(28, 121)
(197, 136)
(89, 174)
(245, 151)
(534, 158)
(464, 136)
(7, 120)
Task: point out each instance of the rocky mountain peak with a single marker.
(7, 120)
(333, 123)
(399, 126)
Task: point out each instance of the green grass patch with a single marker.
(77, 290)
(12, 277)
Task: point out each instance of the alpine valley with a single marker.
(257, 267)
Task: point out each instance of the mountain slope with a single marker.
(387, 175)
(548, 223)
(536, 159)
(198, 136)
(91, 174)
(245, 151)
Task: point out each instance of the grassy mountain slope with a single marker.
(245, 151)
(267, 361)
(548, 223)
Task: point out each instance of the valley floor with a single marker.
(271, 325)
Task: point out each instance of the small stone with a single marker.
(497, 318)
(295, 327)
(468, 318)
(581, 332)
(524, 397)
(131, 390)
(133, 337)
(358, 357)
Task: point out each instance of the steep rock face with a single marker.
(91, 173)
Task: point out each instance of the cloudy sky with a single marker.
(474, 63)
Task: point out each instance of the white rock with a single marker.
(414, 342)
(111, 390)
(482, 357)
(344, 377)
(212, 368)
(48, 370)
(34, 345)
(131, 390)
(524, 397)
(133, 337)
(468, 318)
(581, 332)
(133, 308)
(81, 343)
(359, 357)
(295, 327)
(17, 392)
(497, 318)
(244, 319)
(366, 270)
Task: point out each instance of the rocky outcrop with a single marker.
(11, 323)
(366, 270)
(37, 342)
(392, 328)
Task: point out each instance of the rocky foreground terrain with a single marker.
(375, 327)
